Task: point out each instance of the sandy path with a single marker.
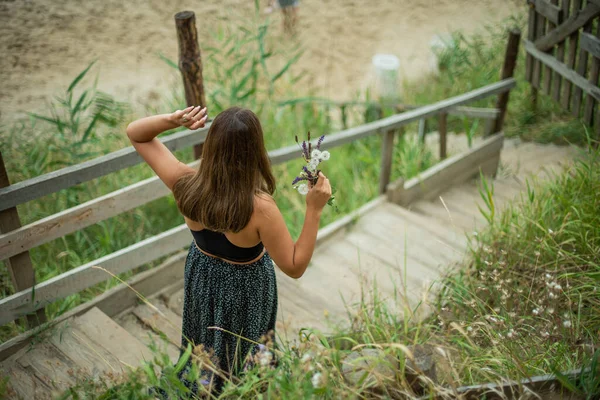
(45, 43)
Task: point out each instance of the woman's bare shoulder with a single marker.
(264, 204)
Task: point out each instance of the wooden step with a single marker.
(147, 336)
(439, 212)
(161, 320)
(86, 346)
(451, 236)
(413, 239)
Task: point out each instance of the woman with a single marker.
(238, 230)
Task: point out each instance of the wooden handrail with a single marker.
(52, 182)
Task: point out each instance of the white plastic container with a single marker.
(386, 73)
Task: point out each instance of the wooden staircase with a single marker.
(396, 250)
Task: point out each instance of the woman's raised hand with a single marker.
(191, 117)
(319, 194)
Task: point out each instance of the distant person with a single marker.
(289, 9)
(230, 291)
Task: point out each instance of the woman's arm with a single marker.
(142, 134)
(293, 258)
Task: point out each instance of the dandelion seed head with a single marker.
(317, 380)
(567, 323)
(325, 155)
(303, 189)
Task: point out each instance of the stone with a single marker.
(372, 368)
(427, 361)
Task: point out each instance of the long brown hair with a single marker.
(234, 168)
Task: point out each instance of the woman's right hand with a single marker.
(319, 194)
(191, 117)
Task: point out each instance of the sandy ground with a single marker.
(45, 43)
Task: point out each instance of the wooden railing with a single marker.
(560, 45)
(20, 240)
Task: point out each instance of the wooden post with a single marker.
(443, 129)
(19, 266)
(387, 152)
(508, 69)
(190, 63)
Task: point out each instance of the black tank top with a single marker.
(217, 244)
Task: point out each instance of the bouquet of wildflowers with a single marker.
(310, 172)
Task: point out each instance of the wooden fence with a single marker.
(563, 55)
(16, 240)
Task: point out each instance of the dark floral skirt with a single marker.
(227, 309)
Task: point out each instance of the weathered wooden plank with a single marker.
(89, 359)
(82, 216)
(571, 58)
(460, 111)
(111, 302)
(578, 19)
(560, 53)
(52, 182)
(448, 172)
(443, 131)
(22, 384)
(161, 320)
(19, 264)
(592, 45)
(146, 336)
(87, 275)
(564, 71)
(551, 25)
(508, 69)
(387, 152)
(175, 302)
(49, 365)
(190, 63)
(549, 10)
(531, 30)
(105, 333)
(582, 69)
(540, 29)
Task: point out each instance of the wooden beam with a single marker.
(190, 63)
(563, 70)
(540, 30)
(548, 72)
(582, 69)
(590, 43)
(565, 100)
(560, 54)
(443, 130)
(570, 25)
(387, 153)
(593, 47)
(508, 69)
(453, 170)
(552, 12)
(531, 29)
(19, 265)
(82, 216)
(52, 182)
(77, 279)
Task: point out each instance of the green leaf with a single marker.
(80, 77)
(169, 62)
(90, 128)
(286, 67)
(184, 359)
